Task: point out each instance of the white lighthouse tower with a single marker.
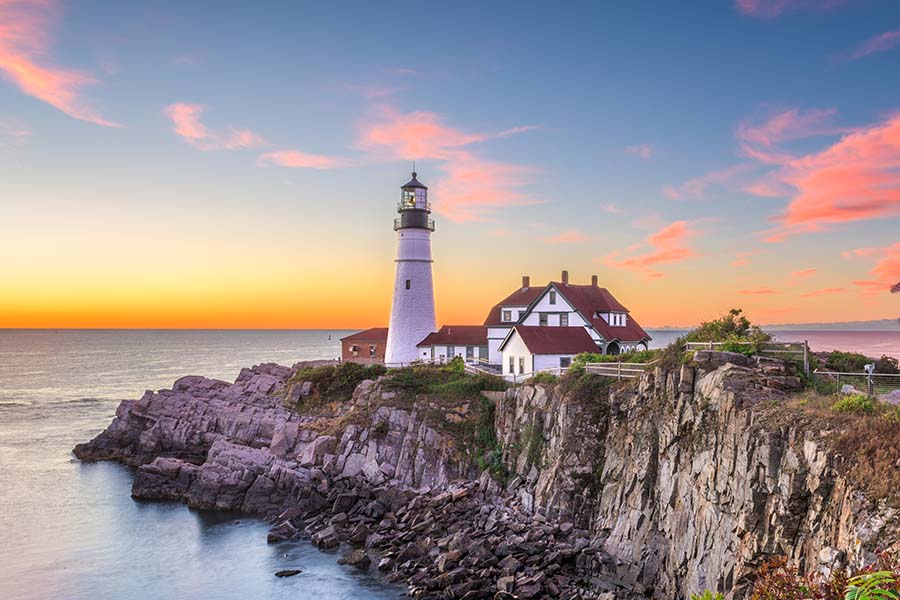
(412, 310)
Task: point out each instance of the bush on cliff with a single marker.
(853, 362)
(446, 380)
(636, 356)
(854, 403)
(337, 382)
(881, 580)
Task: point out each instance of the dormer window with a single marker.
(507, 315)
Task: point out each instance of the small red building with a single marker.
(365, 347)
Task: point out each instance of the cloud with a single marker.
(24, 46)
(823, 292)
(769, 9)
(788, 125)
(856, 178)
(884, 274)
(570, 236)
(472, 187)
(187, 124)
(696, 188)
(300, 160)
(860, 252)
(645, 151)
(803, 273)
(742, 259)
(668, 245)
(759, 291)
(13, 133)
(611, 208)
(880, 43)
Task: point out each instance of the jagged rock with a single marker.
(287, 572)
(356, 558)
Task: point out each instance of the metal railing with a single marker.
(797, 351)
(429, 225)
(871, 384)
(411, 205)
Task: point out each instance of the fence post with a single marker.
(618, 371)
(806, 357)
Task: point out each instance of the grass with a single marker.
(335, 383)
(446, 380)
(860, 430)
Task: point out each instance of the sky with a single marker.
(237, 165)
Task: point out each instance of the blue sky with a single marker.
(620, 139)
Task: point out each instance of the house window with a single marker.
(521, 314)
(564, 320)
(565, 361)
(408, 283)
(354, 350)
(451, 351)
(552, 297)
(483, 352)
(543, 320)
(372, 350)
(470, 351)
(432, 353)
(521, 365)
(507, 315)
(512, 365)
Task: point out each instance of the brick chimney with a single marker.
(594, 280)
(565, 278)
(526, 282)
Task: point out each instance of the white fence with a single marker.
(619, 370)
(796, 351)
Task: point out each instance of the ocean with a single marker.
(71, 530)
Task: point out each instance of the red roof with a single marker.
(555, 340)
(521, 297)
(375, 334)
(457, 335)
(589, 300)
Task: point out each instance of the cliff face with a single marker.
(692, 478)
(686, 480)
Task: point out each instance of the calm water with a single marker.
(71, 530)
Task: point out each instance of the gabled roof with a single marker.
(553, 340)
(375, 334)
(589, 300)
(523, 296)
(456, 335)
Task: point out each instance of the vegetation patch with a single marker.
(854, 403)
(880, 580)
(544, 377)
(335, 383)
(636, 356)
(450, 380)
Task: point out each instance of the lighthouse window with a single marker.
(408, 284)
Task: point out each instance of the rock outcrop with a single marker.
(685, 480)
(693, 478)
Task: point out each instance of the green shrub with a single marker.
(337, 382)
(887, 364)
(871, 586)
(707, 595)
(854, 403)
(543, 377)
(846, 362)
(731, 327)
(446, 380)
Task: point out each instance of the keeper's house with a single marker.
(365, 347)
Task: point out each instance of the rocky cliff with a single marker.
(694, 477)
(688, 479)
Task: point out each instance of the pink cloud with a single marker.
(742, 259)
(668, 245)
(823, 292)
(697, 187)
(300, 160)
(24, 45)
(759, 291)
(787, 125)
(803, 273)
(472, 187)
(769, 9)
(644, 151)
(13, 133)
(860, 252)
(880, 43)
(884, 274)
(570, 236)
(611, 208)
(187, 124)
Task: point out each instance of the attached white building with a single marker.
(468, 342)
(507, 313)
(588, 309)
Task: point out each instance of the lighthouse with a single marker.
(412, 309)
